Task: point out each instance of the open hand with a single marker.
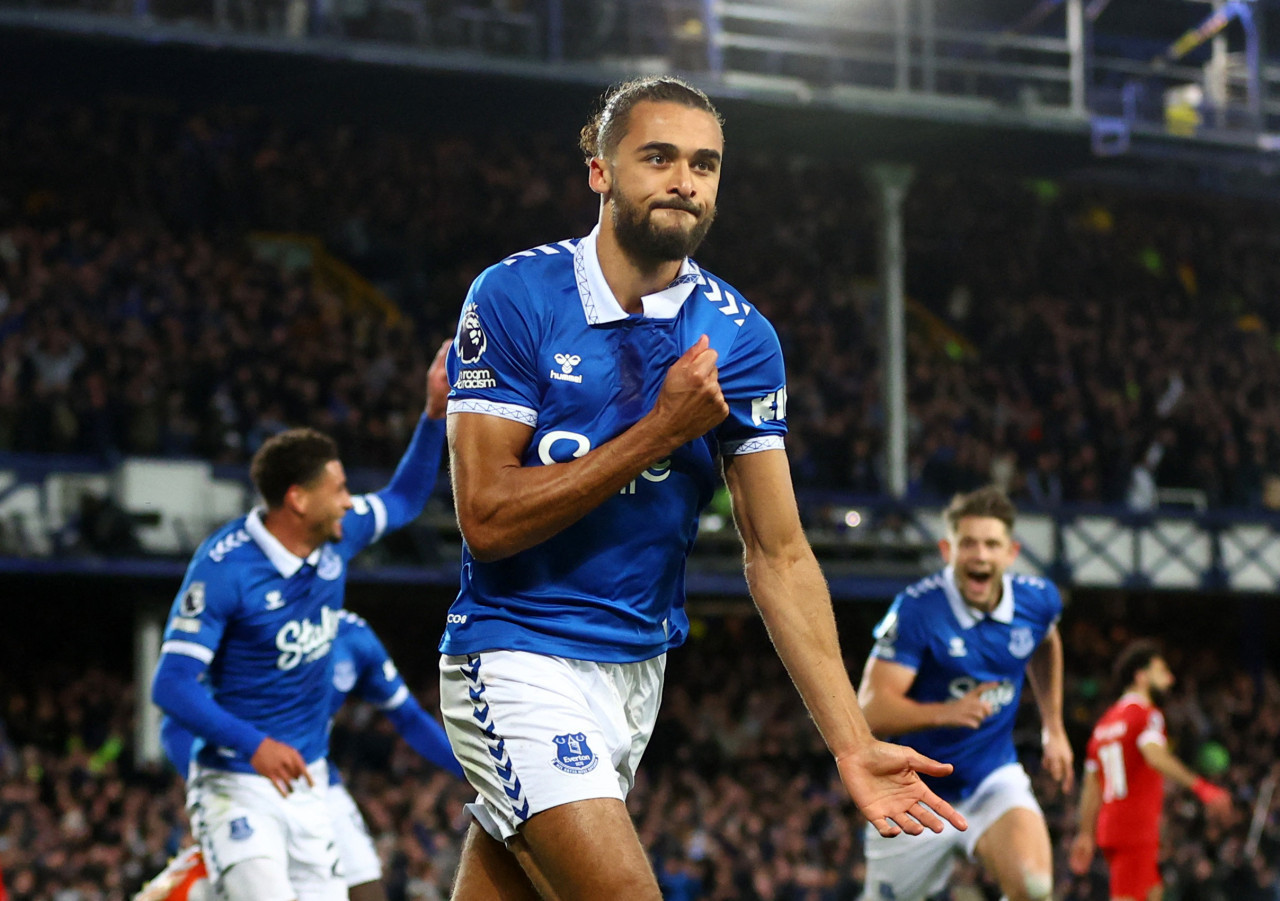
(883, 780)
(1081, 856)
(1058, 759)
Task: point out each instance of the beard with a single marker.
(649, 244)
(1158, 697)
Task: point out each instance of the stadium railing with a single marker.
(146, 516)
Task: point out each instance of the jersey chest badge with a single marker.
(344, 676)
(330, 565)
(1021, 642)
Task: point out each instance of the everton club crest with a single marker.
(573, 755)
(1021, 642)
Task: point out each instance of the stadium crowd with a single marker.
(1075, 344)
(737, 799)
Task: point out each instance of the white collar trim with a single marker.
(284, 560)
(966, 615)
(599, 304)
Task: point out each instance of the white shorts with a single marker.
(240, 817)
(533, 732)
(360, 863)
(913, 867)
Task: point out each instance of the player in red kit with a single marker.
(1123, 791)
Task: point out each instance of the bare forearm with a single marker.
(891, 714)
(1090, 803)
(796, 606)
(515, 507)
(1163, 760)
(1045, 674)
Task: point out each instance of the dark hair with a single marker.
(601, 135)
(988, 501)
(1137, 656)
(295, 457)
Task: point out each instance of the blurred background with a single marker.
(1028, 243)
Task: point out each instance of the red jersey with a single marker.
(1132, 790)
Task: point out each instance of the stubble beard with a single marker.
(649, 245)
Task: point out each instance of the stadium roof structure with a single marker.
(1186, 82)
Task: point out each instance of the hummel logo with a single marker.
(567, 362)
(957, 648)
(275, 600)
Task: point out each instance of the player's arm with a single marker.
(891, 711)
(415, 478)
(1082, 846)
(505, 507)
(424, 735)
(1044, 672)
(788, 587)
(197, 622)
(1158, 755)
(177, 690)
(176, 741)
(379, 682)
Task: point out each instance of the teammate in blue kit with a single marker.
(947, 671)
(246, 664)
(600, 385)
(361, 667)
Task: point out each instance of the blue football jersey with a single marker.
(952, 647)
(543, 341)
(362, 666)
(264, 621)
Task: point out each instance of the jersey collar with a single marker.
(284, 560)
(966, 615)
(601, 307)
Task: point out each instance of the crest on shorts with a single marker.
(573, 755)
(240, 829)
(1021, 642)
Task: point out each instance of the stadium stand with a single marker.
(161, 294)
(737, 799)
(1076, 344)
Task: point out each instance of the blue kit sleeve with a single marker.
(176, 689)
(407, 492)
(424, 735)
(176, 742)
(899, 636)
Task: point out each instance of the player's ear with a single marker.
(599, 176)
(1015, 548)
(944, 548)
(297, 499)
